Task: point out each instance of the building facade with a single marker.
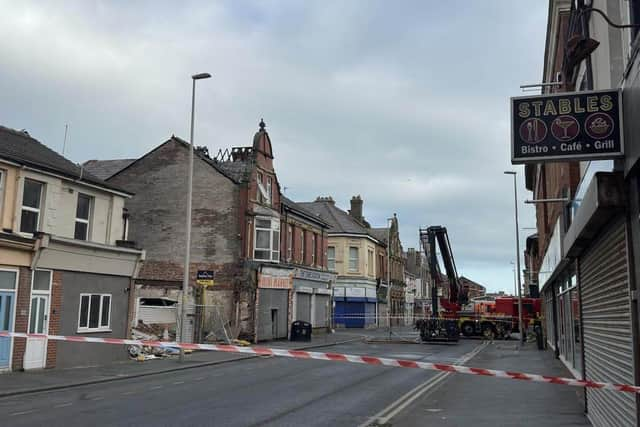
(66, 267)
(586, 255)
(304, 246)
(351, 254)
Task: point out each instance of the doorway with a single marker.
(6, 324)
(35, 356)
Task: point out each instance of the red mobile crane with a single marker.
(448, 317)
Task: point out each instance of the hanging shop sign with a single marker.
(205, 277)
(565, 127)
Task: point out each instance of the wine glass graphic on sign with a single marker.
(533, 131)
(565, 128)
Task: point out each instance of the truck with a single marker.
(454, 313)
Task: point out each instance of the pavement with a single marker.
(272, 391)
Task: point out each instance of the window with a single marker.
(31, 201)
(331, 258)
(289, 243)
(42, 280)
(2, 173)
(267, 240)
(313, 249)
(269, 195)
(259, 182)
(82, 217)
(370, 261)
(301, 246)
(95, 313)
(353, 258)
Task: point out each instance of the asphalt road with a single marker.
(266, 391)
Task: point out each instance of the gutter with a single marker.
(42, 242)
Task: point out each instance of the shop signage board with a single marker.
(566, 127)
(275, 278)
(205, 277)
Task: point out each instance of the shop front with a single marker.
(272, 303)
(311, 296)
(355, 307)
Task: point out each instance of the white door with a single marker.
(36, 352)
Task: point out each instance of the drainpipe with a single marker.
(42, 241)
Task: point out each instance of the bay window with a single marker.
(353, 258)
(331, 258)
(267, 240)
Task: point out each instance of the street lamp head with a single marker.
(201, 76)
(509, 173)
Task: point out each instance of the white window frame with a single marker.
(331, 260)
(313, 249)
(357, 259)
(29, 208)
(259, 185)
(274, 254)
(370, 255)
(82, 220)
(302, 246)
(269, 189)
(100, 327)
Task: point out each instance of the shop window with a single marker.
(267, 240)
(95, 313)
(331, 258)
(31, 201)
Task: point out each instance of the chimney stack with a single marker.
(356, 208)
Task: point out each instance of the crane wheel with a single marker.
(488, 331)
(468, 329)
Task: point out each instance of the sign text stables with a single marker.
(569, 126)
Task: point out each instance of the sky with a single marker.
(404, 103)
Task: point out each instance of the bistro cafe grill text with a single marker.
(568, 126)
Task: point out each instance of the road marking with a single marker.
(178, 382)
(22, 413)
(155, 387)
(62, 405)
(406, 399)
(98, 398)
(199, 379)
(127, 393)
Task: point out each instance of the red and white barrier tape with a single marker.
(337, 357)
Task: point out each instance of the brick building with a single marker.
(238, 222)
(584, 255)
(473, 289)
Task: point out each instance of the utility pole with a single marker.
(187, 261)
(389, 274)
(515, 200)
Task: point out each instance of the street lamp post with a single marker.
(389, 222)
(187, 261)
(515, 200)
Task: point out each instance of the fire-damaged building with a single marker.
(237, 232)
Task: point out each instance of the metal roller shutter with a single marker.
(303, 307)
(321, 311)
(607, 327)
(272, 313)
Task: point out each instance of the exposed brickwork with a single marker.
(23, 300)
(55, 313)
